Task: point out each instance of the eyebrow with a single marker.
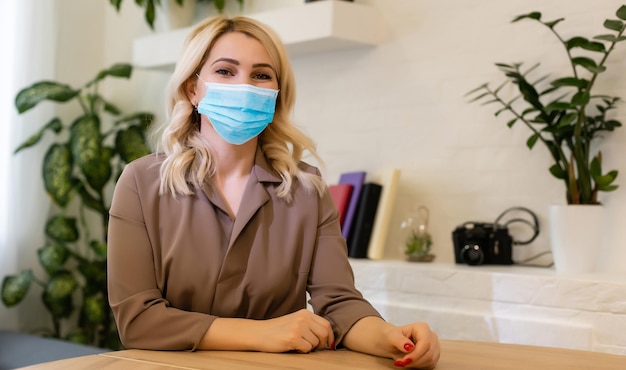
(236, 62)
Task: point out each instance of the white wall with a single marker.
(401, 105)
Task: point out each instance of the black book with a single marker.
(359, 237)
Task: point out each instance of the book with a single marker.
(390, 180)
(363, 224)
(356, 179)
(341, 197)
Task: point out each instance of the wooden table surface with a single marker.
(454, 355)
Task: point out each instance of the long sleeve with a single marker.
(144, 317)
(331, 280)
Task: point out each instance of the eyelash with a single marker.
(259, 75)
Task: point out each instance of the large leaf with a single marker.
(30, 96)
(88, 199)
(558, 172)
(121, 70)
(571, 81)
(603, 182)
(95, 275)
(57, 174)
(53, 125)
(100, 248)
(88, 153)
(130, 144)
(610, 38)
(614, 25)
(62, 229)
(219, 5)
(532, 15)
(150, 13)
(621, 13)
(94, 308)
(116, 4)
(15, 287)
(567, 119)
(530, 94)
(57, 295)
(53, 257)
(141, 119)
(97, 100)
(588, 64)
(581, 42)
(581, 98)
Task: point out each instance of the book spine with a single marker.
(378, 240)
(359, 238)
(356, 179)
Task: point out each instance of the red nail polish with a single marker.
(332, 346)
(407, 361)
(408, 347)
(398, 363)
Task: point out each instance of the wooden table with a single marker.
(454, 355)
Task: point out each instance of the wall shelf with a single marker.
(314, 27)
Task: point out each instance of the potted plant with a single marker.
(85, 159)
(567, 116)
(417, 241)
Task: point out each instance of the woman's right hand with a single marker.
(301, 331)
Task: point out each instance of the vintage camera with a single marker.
(480, 243)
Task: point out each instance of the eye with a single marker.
(223, 71)
(262, 76)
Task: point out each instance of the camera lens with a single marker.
(472, 254)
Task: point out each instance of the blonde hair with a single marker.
(188, 157)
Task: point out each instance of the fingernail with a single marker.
(408, 347)
(332, 346)
(399, 363)
(407, 361)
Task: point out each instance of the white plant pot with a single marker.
(576, 237)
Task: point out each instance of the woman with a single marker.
(215, 241)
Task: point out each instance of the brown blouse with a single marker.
(174, 265)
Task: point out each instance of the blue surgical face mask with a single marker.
(238, 112)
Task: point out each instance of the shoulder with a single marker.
(146, 166)
(142, 173)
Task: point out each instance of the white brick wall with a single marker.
(401, 104)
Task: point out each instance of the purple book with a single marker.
(356, 179)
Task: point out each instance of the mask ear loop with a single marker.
(195, 118)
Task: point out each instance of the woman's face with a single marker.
(238, 59)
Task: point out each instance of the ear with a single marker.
(191, 91)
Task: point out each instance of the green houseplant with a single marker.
(564, 114)
(84, 160)
(150, 7)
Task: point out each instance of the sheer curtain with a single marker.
(28, 43)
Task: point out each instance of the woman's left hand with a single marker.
(415, 345)
(412, 345)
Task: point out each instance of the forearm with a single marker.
(368, 335)
(230, 334)
(301, 331)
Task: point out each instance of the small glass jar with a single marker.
(417, 242)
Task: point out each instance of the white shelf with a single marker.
(314, 27)
(494, 303)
